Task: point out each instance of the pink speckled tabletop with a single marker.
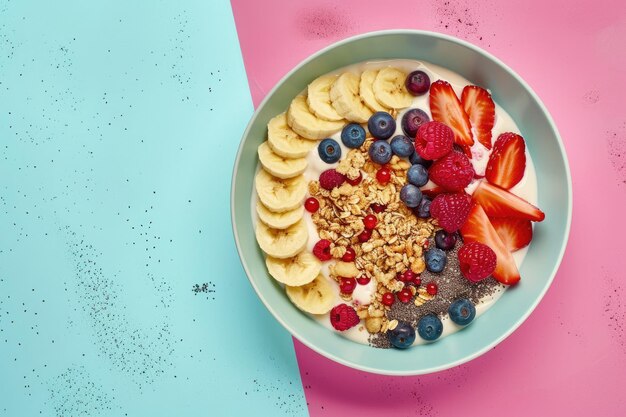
(569, 357)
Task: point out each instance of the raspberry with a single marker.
(477, 261)
(330, 179)
(434, 140)
(451, 210)
(343, 317)
(322, 250)
(453, 172)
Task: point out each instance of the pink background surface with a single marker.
(569, 357)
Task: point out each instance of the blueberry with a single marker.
(412, 120)
(329, 150)
(462, 312)
(435, 260)
(380, 152)
(410, 195)
(353, 135)
(423, 208)
(381, 125)
(402, 146)
(445, 240)
(430, 327)
(417, 175)
(402, 336)
(415, 158)
(417, 83)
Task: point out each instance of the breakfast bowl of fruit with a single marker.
(401, 202)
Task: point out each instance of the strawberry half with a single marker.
(432, 190)
(507, 162)
(501, 203)
(480, 108)
(515, 233)
(445, 107)
(477, 228)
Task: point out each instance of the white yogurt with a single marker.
(526, 188)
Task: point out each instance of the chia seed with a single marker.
(451, 284)
(206, 288)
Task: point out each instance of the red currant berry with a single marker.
(377, 208)
(409, 276)
(388, 299)
(417, 281)
(311, 204)
(365, 235)
(426, 245)
(405, 295)
(431, 288)
(347, 285)
(355, 181)
(383, 175)
(349, 255)
(400, 276)
(370, 221)
(363, 280)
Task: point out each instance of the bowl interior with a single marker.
(544, 254)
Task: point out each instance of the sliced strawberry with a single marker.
(481, 110)
(515, 233)
(477, 228)
(432, 190)
(445, 107)
(507, 162)
(501, 203)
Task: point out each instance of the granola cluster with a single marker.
(397, 241)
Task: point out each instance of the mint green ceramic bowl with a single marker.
(547, 247)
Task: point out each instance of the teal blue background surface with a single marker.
(119, 124)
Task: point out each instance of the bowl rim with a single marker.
(294, 332)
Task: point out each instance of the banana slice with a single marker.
(318, 98)
(308, 125)
(279, 166)
(345, 97)
(316, 297)
(284, 141)
(390, 90)
(298, 270)
(280, 195)
(366, 92)
(282, 243)
(279, 220)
